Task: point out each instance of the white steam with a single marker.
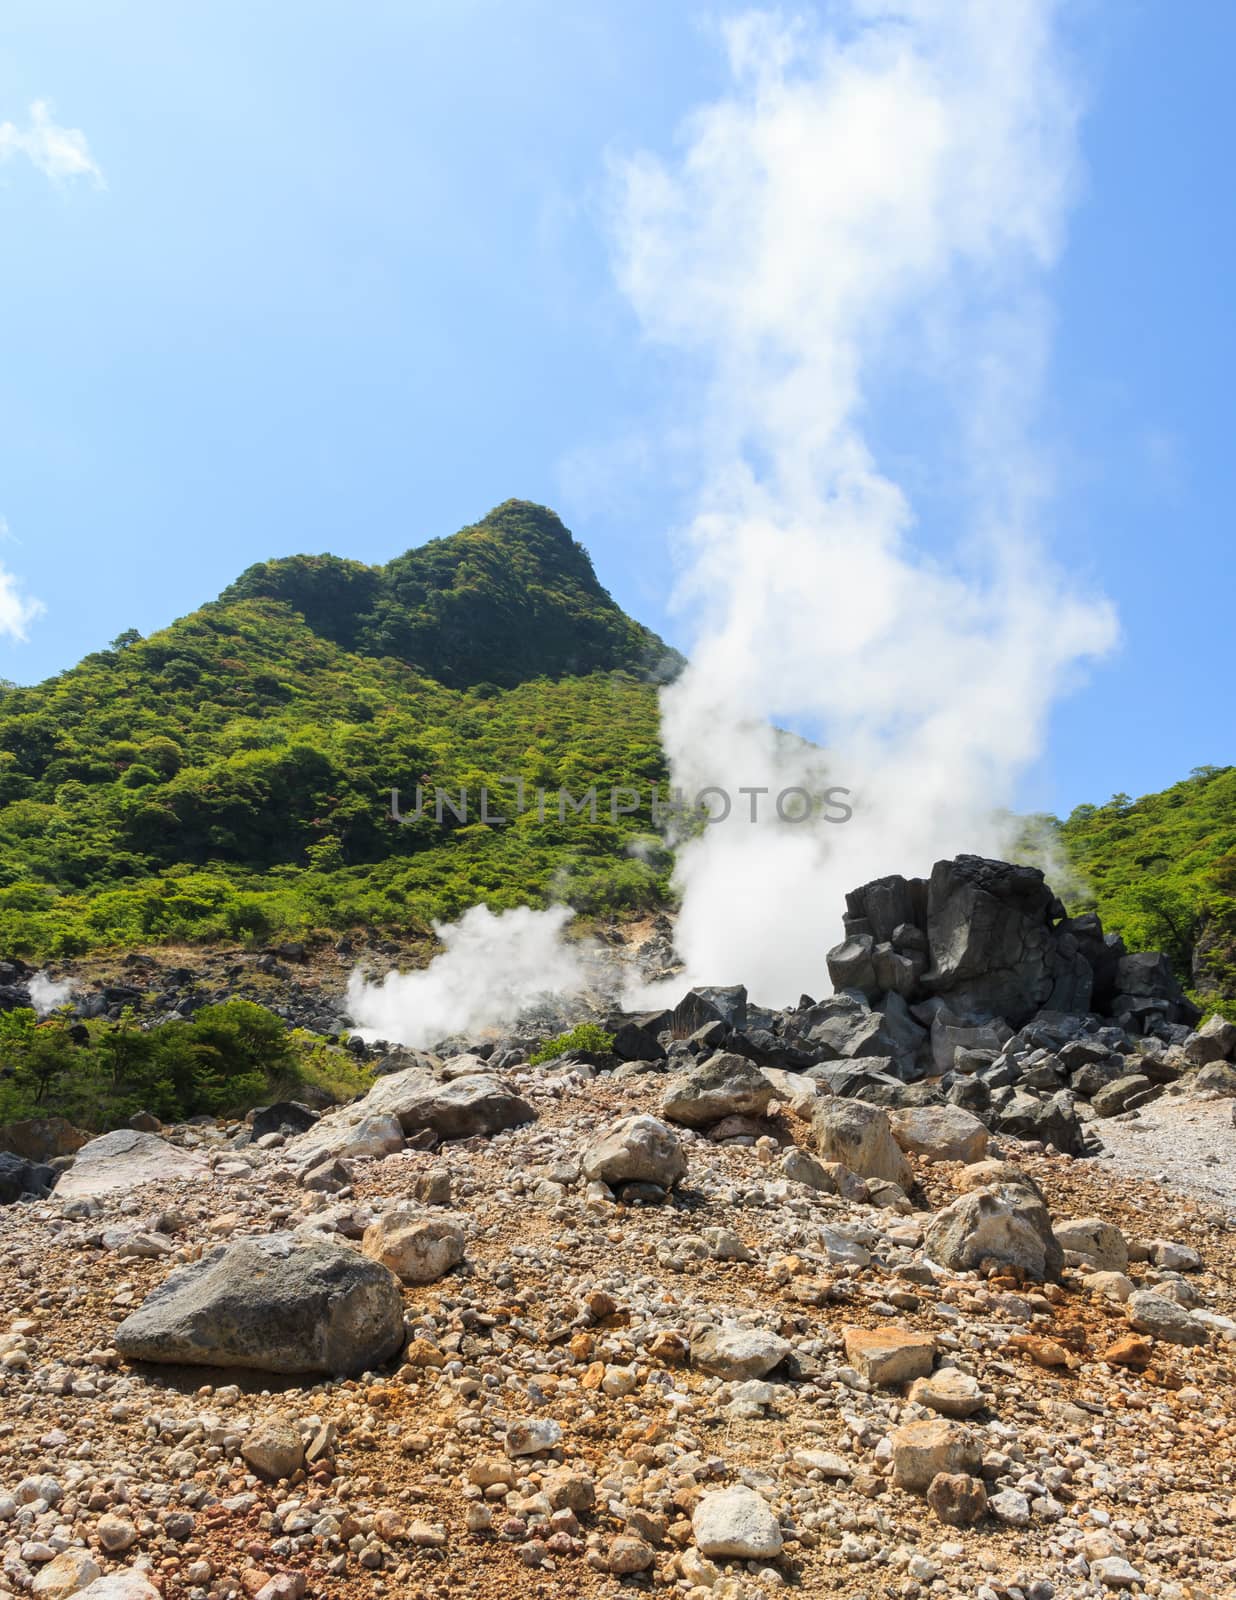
(866, 211)
(491, 968)
(46, 995)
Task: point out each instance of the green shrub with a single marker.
(585, 1036)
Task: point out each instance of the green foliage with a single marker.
(585, 1036)
(228, 1058)
(230, 777)
(1161, 871)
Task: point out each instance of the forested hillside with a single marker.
(1162, 871)
(230, 776)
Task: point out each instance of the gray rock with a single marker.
(736, 1523)
(638, 1149)
(476, 1104)
(1215, 1040)
(859, 1137)
(945, 1133)
(125, 1159)
(280, 1302)
(734, 1353)
(1100, 1245)
(1162, 1318)
(1218, 1078)
(1116, 1097)
(724, 1086)
(1008, 1226)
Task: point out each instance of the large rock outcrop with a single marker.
(990, 939)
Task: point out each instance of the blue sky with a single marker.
(341, 280)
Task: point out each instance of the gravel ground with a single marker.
(1186, 1142)
(1111, 1478)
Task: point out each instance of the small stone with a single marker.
(958, 1500)
(274, 1449)
(1114, 1572)
(535, 1437)
(1010, 1506)
(116, 1534)
(626, 1555)
(738, 1523)
(950, 1392)
(1130, 1350)
(922, 1449)
(889, 1355)
(739, 1352)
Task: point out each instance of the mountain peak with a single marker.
(511, 597)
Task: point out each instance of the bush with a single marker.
(587, 1036)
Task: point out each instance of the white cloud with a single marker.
(17, 610)
(59, 153)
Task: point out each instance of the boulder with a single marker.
(1116, 1097)
(1215, 1040)
(703, 1005)
(1218, 1078)
(1051, 1119)
(1162, 1318)
(279, 1302)
(636, 1038)
(471, 1106)
(126, 1159)
(921, 1450)
(945, 1133)
(735, 1353)
(859, 1137)
(19, 1177)
(737, 1524)
(889, 1356)
(285, 1116)
(724, 1086)
(417, 1249)
(1099, 1245)
(41, 1139)
(1000, 1228)
(994, 948)
(992, 1174)
(638, 1149)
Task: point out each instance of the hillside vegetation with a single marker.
(1162, 871)
(230, 776)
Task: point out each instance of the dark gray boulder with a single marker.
(285, 1116)
(282, 1302)
(19, 1177)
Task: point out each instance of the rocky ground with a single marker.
(600, 1393)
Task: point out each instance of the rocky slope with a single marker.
(758, 1299)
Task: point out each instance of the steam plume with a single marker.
(491, 967)
(867, 208)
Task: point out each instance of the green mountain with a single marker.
(231, 775)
